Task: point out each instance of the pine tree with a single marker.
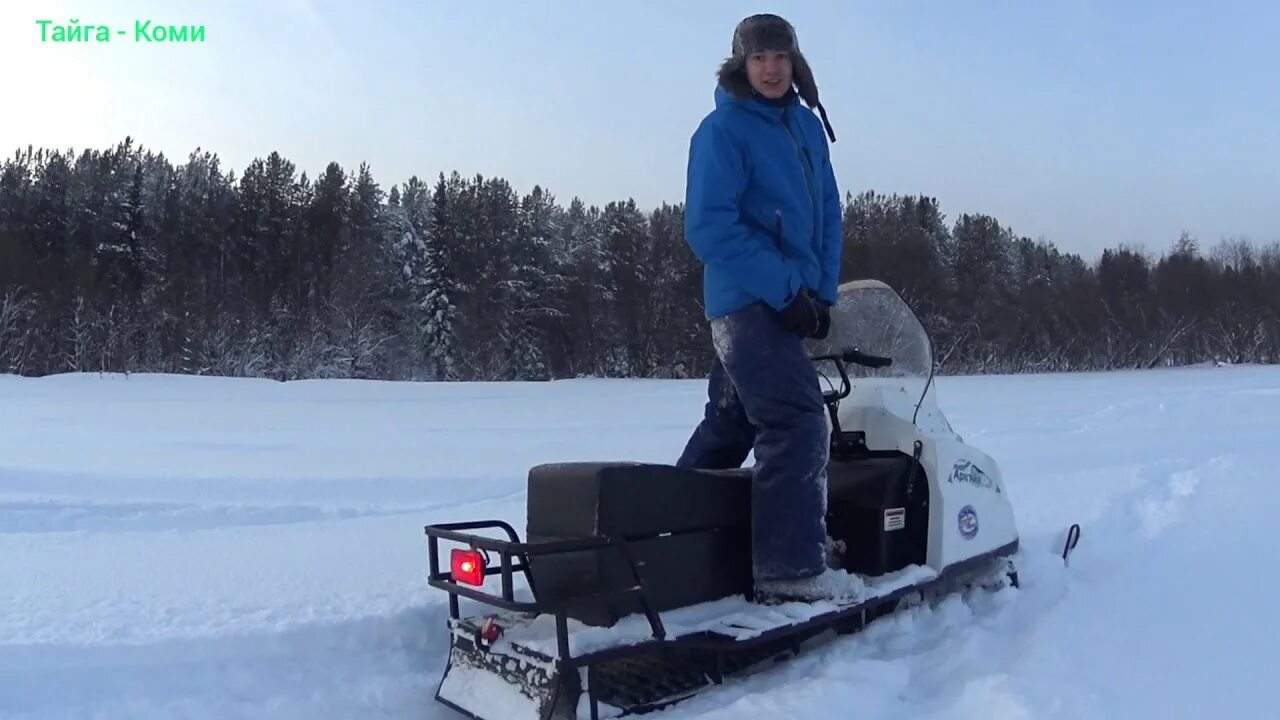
(329, 232)
(630, 291)
(578, 254)
(677, 325)
(532, 284)
(436, 284)
(405, 251)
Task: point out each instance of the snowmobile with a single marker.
(635, 578)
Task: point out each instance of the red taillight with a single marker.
(467, 566)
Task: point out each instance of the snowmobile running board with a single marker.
(533, 661)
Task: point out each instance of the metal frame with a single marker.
(506, 549)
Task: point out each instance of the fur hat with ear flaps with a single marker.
(761, 33)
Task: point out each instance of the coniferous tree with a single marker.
(580, 256)
(436, 288)
(628, 351)
(532, 285)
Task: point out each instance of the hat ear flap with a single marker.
(732, 76)
(808, 89)
(803, 77)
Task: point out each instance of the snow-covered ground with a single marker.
(224, 548)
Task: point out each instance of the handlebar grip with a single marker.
(856, 356)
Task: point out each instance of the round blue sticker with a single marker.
(968, 522)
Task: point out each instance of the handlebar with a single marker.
(854, 356)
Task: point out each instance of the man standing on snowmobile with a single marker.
(763, 214)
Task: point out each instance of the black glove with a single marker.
(824, 320)
(801, 316)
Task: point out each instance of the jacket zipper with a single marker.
(802, 155)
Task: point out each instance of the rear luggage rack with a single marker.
(511, 550)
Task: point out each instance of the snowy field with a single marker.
(176, 547)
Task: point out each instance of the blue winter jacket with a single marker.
(762, 210)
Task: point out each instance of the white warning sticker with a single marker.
(895, 519)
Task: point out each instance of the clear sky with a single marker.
(1089, 123)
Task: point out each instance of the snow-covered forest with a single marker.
(123, 260)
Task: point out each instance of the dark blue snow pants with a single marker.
(763, 395)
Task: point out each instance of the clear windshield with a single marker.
(873, 318)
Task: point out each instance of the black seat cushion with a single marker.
(634, 500)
